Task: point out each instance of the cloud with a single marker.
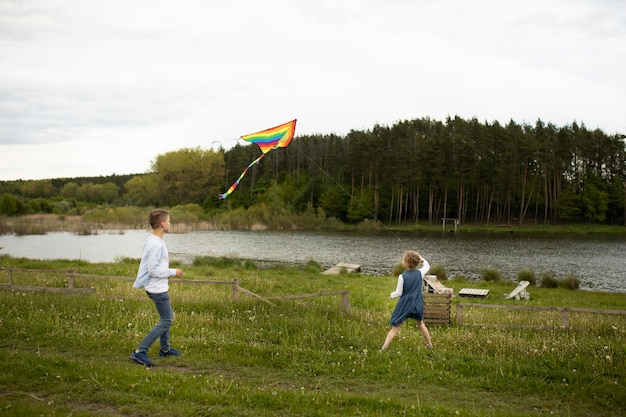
(150, 77)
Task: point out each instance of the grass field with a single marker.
(68, 354)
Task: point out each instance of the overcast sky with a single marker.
(92, 87)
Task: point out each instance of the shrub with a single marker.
(439, 271)
(397, 269)
(491, 275)
(312, 266)
(549, 281)
(249, 264)
(570, 282)
(527, 275)
(216, 262)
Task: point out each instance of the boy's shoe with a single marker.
(141, 358)
(171, 352)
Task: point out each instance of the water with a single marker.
(599, 262)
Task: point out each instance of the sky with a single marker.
(97, 88)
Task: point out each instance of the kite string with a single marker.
(347, 192)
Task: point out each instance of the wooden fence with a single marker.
(72, 289)
(564, 313)
(345, 302)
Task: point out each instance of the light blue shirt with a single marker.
(154, 270)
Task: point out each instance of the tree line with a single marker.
(414, 170)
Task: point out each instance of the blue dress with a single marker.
(411, 302)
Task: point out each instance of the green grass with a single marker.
(68, 354)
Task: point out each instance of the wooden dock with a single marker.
(343, 268)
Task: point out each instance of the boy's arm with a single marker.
(158, 266)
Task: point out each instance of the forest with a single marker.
(415, 170)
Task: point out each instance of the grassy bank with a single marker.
(191, 219)
(68, 354)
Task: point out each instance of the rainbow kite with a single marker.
(268, 139)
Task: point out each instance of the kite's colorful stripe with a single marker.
(236, 183)
(268, 139)
(275, 137)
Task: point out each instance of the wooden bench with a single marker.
(437, 308)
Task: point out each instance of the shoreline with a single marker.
(38, 224)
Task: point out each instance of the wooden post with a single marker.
(235, 289)
(345, 303)
(10, 276)
(70, 283)
(564, 317)
(459, 315)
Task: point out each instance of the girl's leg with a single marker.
(392, 333)
(425, 333)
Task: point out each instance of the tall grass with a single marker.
(68, 354)
(191, 217)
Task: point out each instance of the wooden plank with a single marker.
(171, 281)
(61, 271)
(562, 310)
(345, 302)
(432, 283)
(509, 307)
(594, 310)
(519, 291)
(49, 289)
(473, 292)
(437, 308)
(317, 294)
(250, 293)
(341, 267)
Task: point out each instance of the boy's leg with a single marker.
(162, 329)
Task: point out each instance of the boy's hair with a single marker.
(157, 216)
(412, 259)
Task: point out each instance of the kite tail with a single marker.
(236, 183)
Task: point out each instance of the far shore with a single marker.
(49, 223)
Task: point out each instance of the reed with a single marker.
(191, 217)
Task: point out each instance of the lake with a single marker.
(599, 262)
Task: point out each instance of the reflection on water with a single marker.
(597, 261)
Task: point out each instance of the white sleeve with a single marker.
(398, 292)
(425, 267)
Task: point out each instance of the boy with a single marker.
(153, 276)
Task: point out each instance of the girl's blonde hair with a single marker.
(412, 259)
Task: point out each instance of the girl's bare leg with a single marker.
(425, 333)
(392, 333)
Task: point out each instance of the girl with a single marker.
(411, 303)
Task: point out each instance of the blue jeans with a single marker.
(162, 329)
